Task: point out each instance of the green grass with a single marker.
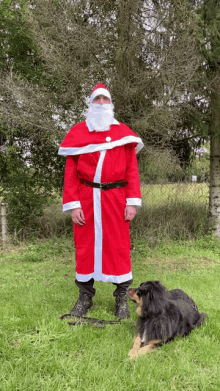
(40, 352)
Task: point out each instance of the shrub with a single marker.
(159, 166)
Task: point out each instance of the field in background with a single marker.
(172, 212)
(179, 192)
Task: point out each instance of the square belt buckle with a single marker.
(104, 186)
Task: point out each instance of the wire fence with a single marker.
(160, 194)
(178, 206)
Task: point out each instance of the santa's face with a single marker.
(101, 100)
(100, 114)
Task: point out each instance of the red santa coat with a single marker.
(103, 242)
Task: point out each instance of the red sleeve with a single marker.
(71, 180)
(132, 176)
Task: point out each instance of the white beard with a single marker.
(100, 117)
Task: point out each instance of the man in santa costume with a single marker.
(102, 192)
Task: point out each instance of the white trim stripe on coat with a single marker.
(98, 220)
(105, 278)
(68, 206)
(65, 151)
(134, 202)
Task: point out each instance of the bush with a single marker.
(200, 167)
(159, 166)
(53, 222)
(23, 208)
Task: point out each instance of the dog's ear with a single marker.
(159, 285)
(144, 288)
(141, 289)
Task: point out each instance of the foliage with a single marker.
(200, 167)
(18, 52)
(27, 181)
(29, 168)
(208, 18)
(159, 166)
(147, 56)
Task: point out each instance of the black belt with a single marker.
(105, 186)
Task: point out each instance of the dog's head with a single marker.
(150, 288)
(147, 295)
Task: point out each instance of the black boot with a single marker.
(83, 304)
(122, 311)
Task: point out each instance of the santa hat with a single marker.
(99, 89)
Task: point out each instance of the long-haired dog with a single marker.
(163, 315)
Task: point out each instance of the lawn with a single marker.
(40, 352)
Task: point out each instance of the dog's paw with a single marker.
(138, 351)
(137, 343)
(151, 345)
(136, 346)
(144, 350)
(133, 353)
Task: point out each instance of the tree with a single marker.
(29, 166)
(209, 22)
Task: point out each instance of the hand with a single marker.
(130, 212)
(78, 216)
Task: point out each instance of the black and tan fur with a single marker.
(163, 315)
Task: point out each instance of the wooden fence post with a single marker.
(4, 223)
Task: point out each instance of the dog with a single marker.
(163, 315)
